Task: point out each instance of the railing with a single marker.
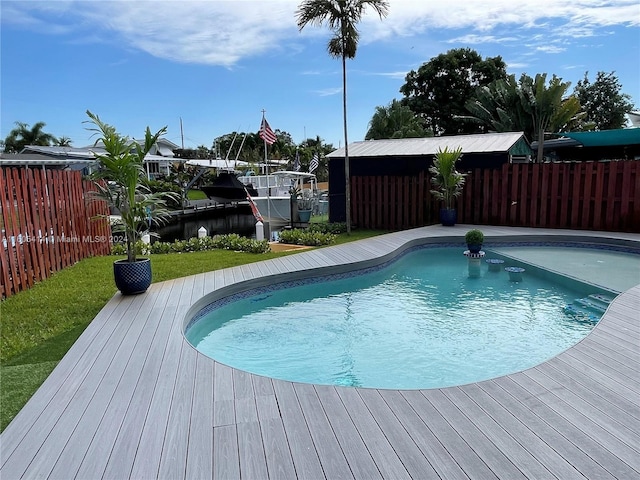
(582, 196)
(46, 223)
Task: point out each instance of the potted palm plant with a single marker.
(447, 183)
(305, 205)
(121, 182)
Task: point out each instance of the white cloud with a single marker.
(224, 32)
(327, 92)
(473, 39)
(550, 49)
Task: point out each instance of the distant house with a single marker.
(621, 144)
(157, 162)
(410, 156)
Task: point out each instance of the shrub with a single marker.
(474, 237)
(232, 241)
(335, 228)
(297, 236)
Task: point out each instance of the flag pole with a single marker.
(266, 163)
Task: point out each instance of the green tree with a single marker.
(602, 101)
(542, 102)
(394, 121)
(342, 17)
(63, 142)
(506, 106)
(307, 149)
(440, 88)
(22, 136)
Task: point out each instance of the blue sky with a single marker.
(217, 64)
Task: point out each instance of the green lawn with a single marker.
(39, 325)
(196, 195)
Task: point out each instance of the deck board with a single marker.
(132, 399)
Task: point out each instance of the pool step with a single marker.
(589, 308)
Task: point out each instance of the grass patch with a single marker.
(39, 325)
(19, 383)
(196, 195)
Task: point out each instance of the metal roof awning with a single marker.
(477, 143)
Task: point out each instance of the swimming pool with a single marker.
(441, 326)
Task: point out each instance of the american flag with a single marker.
(266, 133)
(314, 163)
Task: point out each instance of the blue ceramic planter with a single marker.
(132, 277)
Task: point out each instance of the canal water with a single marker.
(233, 219)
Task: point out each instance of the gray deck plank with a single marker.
(556, 431)
(497, 460)
(331, 457)
(200, 443)
(303, 452)
(276, 449)
(353, 445)
(404, 446)
(132, 399)
(226, 460)
(223, 404)
(125, 421)
(442, 460)
(174, 450)
(531, 452)
(503, 430)
(600, 424)
(251, 451)
(459, 449)
(385, 457)
(136, 345)
(149, 448)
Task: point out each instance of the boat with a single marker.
(226, 188)
(273, 198)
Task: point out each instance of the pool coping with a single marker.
(133, 399)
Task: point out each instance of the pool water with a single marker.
(427, 320)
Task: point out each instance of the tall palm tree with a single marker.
(22, 135)
(342, 17)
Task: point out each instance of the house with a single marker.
(157, 161)
(410, 156)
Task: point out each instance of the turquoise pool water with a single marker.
(427, 320)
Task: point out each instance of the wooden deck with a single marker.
(132, 399)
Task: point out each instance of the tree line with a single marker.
(459, 92)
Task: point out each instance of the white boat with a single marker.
(274, 197)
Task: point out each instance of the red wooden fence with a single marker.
(581, 196)
(46, 223)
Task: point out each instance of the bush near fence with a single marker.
(46, 223)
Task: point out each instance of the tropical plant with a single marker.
(63, 141)
(121, 182)
(342, 17)
(603, 103)
(542, 102)
(446, 180)
(395, 121)
(527, 105)
(22, 136)
(440, 88)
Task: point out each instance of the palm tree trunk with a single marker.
(347, 175)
